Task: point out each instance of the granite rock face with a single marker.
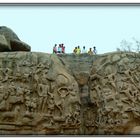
(4, 46)
(9, 41)
(47, 94)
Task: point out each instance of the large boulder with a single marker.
(13, 43)
(4, 44)
(17, 45)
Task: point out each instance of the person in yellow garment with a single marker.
(75, 50)
(90, 52)
(78, 50)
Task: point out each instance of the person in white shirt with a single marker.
(84, 50)
(94, 50)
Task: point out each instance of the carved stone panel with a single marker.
(47, 94)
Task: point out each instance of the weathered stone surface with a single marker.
(12, 42)
(17, 45)
(69, 95)
(4, 44)
(135, 130)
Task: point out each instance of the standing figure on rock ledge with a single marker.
(60, 49)
(55, 48)
(78, 50)
(84, 50)
(90, 52)
(75, 50)
(94, 50)
(63, 48)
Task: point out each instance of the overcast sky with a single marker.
(101, 26)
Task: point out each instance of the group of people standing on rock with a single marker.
(77, 50)
(60, 49)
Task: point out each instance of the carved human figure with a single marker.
(50, 104)
(42, 91)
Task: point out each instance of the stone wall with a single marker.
(67, 94)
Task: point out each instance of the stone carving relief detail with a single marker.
(33, 102)
(38, 95)
(114, 89)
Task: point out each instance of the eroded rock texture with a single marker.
(68, 94)
(9, 41)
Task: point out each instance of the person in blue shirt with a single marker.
(59, 49)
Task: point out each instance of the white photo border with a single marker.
(69, 1)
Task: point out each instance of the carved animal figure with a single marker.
(11, 114)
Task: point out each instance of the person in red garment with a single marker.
(63, 48)
(55, 48)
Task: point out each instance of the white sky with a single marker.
(101, 26)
